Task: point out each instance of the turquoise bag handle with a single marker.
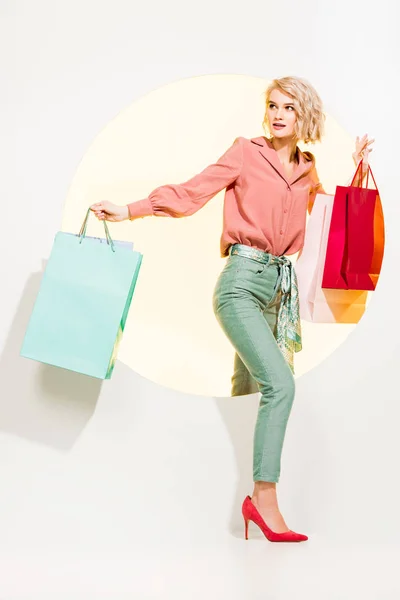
(82, 232)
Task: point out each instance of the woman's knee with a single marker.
(283, 388)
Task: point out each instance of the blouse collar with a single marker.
(305, 165)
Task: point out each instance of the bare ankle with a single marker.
(264, 489)
(264, 494)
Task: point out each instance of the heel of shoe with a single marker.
(246, 528)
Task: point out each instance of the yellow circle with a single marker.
(171, 335)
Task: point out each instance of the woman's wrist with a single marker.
(125, 212)
(139, 209)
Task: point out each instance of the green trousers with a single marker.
(246, 302)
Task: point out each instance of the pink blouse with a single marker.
(263, 208)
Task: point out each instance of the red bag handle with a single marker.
(355, 175)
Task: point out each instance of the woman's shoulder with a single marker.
(308, 156)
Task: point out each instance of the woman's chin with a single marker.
(282, 134)
(286, 137)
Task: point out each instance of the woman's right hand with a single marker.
(107, 211)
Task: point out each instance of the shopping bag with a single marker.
(356, 238)
(83, 302)
(316, 304)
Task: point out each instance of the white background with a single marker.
(114, 490)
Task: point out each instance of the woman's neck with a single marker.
(286, 149)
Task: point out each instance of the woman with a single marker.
(269, 184)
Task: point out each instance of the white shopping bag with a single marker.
(317, 304)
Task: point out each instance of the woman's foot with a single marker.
(271, 516)
(251, 513)
(265, 500)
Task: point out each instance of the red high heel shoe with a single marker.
(250, 513)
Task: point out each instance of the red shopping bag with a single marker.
(356, 238)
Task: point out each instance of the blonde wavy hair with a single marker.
(309, 126)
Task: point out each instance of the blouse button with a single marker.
(285, 211)
(281, 232)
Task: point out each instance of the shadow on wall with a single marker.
(39, 402)
(239, 415)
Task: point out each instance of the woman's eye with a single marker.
(273, 106)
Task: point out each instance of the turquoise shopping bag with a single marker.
(83, 303)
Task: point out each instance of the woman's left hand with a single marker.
(362, 151)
